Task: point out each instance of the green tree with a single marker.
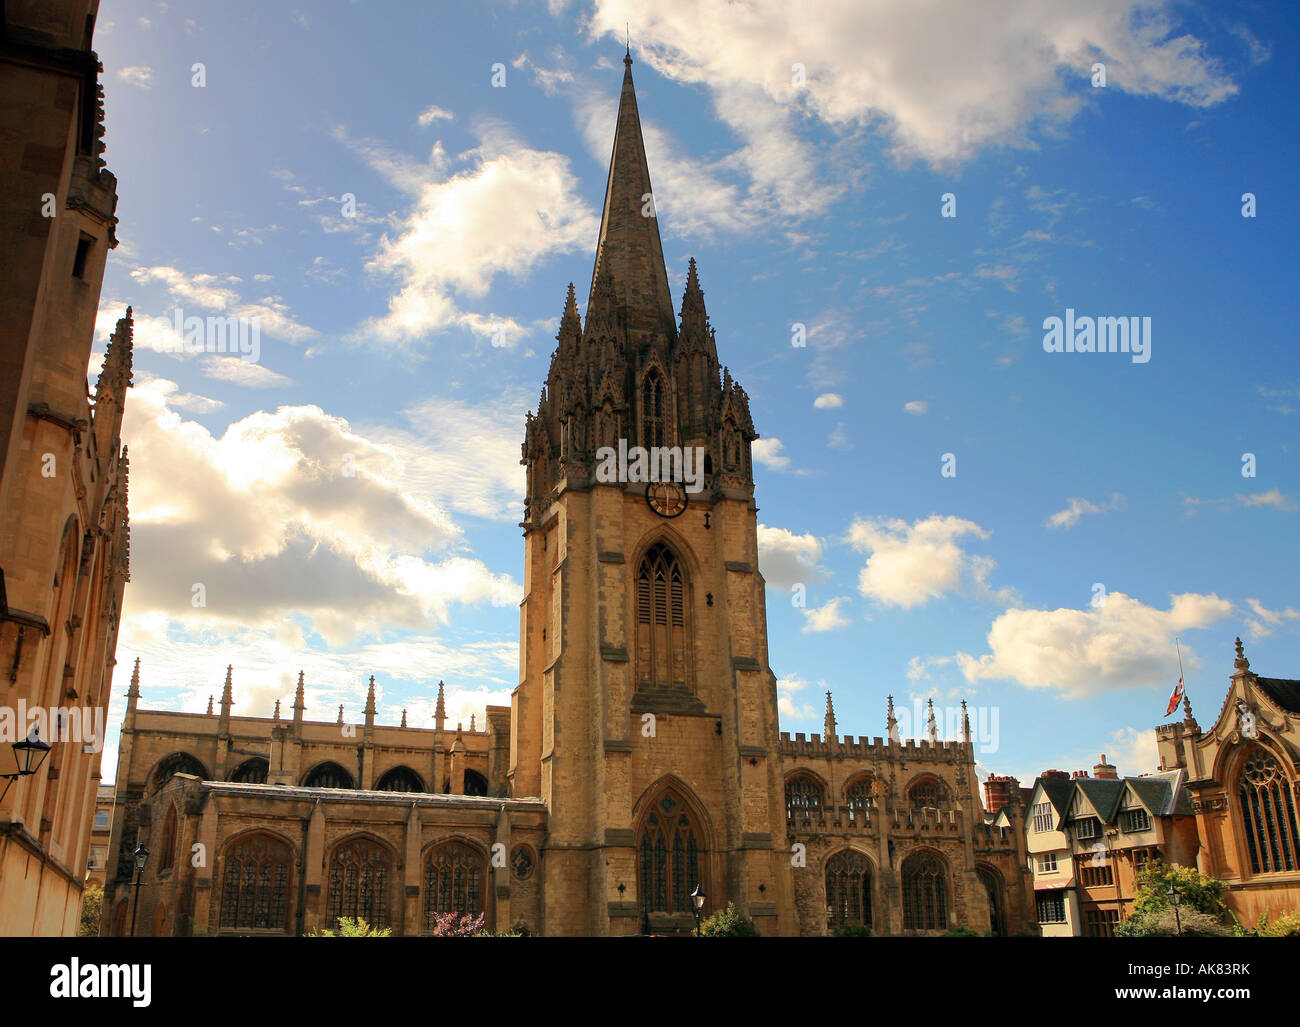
(1201, 909)
(728, 923)
(92, 905)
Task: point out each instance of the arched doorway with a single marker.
(992, 882)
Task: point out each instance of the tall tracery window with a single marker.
(858, 796)
(360, 871)
(848, 889)
(1268, 811)
(255, 888)
(803, 797)
(925, 905)
(652, 409)
(662, 641)
(454, 875)
(669, 856)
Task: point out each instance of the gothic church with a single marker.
(641, 755)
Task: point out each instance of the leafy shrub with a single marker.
(1163, 924)
(960, 932)
(457, 925)
(728, 923)
(92, 905)
(851, 931)
(350, 928)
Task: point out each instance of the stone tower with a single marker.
(646, 713)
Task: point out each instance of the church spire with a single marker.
(629, 247)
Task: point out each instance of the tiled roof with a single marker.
(1285, 692)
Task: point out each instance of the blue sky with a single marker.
(349, 501)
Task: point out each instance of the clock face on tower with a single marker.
(666, 498)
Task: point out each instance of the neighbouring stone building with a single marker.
(1244, 778)
(641, 755)
(64, 533)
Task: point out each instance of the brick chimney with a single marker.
(1055, 775)
(1104, 770)
(998, 792)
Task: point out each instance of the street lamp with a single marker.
(1173, 899)
(697, 900)
(141, 858)
(29, 754)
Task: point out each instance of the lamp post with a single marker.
(1173, 900)
(29, 754)
(141, 858)
(697, 901)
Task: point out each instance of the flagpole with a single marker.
(1180, 662)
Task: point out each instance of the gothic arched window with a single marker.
(1268, 813)
(848, 889)
(177, 763)
(803, 797)
(858, 796)
(925, 905)
(652, 410)
(475, 783)
(327, 775)
(929, 791)
(454, 876)
(400, 779)
(662, 649)
(668, 851)
(252, 771)
(360, 871)
(255, 886)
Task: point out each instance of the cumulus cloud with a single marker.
(910, 564)
(434, 113)
(916, 406)
(828, 401)
(786, 703)
(767, 453)
(243, 372)
(510, 208)
(1264, 622)
(786, 559)
(291, 512)
(137, 75)
(1076, 508)
(1118, 643)
(827, 617)
(943, 79)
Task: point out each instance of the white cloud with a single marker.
(510, 209)
(137, 75)
(767, 453)
(828, 401)
(1265, 622)
(944, 79)
(827, 617)
(785, 699)
(1077, 508)
(1273, 498)
(786, 559)
(243, 372)
(434, 113)
(910, 564)
(916, 406)
(290, 512)
(1119, 643)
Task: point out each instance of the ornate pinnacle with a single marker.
(829, 724)
(370, 698)
(134, 690)
(340, 714)
(1241, 663)
(276, 714)
(209, 706)
(931, 727)
(965, 722)
(299, 702)
(403, 718)
(227, 695)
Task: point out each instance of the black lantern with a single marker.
(697, 900)
(29, 754)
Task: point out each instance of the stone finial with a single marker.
(965, 723)
(227, 693)
(471, 723)
(299, 698)
(440, 709)
(134, 691)
(829, 726)
(891, 723)
(931, 727)
(370, 698)
(403, 718)
(1241, 663)
(276, 714)
(209, 706)
(1187, 710)
(340, 714)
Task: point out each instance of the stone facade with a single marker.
(641, 756)
(1243, 775)
(64, 534)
